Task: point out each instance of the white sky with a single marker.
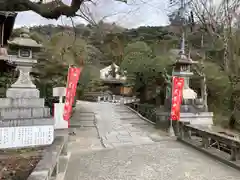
(135, 13)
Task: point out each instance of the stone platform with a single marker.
(24, 112)
(21, 102)
(22, 93)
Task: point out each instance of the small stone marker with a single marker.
(59, 122)
(59, 92)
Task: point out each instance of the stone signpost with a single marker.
(24, 119)
(59, 122)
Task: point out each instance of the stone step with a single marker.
(129, 117)
(80, 117)
(122, 111)
(27, 122)
(117, 106)
(21, 102)
(24, 112)
(82, 124)
(82, 113)
(86, 118)
(120, 108)
(134, 122)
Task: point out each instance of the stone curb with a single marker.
(48, 166)
(98, 132)
(217, 156)
(145, 119)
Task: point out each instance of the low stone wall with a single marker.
(54, 162)
(28, 102)
(219, 146)
(202, 118)
(161, 119)
(26, 122)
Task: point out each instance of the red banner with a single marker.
(72, 80)
(177, 90)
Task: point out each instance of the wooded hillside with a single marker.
(144, 52)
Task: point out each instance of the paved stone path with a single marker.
(118, 126)
(128, 148)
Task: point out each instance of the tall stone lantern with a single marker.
(24, 120)
(24, 49)
(182, 68)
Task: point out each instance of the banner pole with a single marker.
(171, 130)
(69, 66)
(175, 103)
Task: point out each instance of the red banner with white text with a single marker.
(177, 91)
(72, 81)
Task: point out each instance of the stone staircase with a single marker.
(84, 119)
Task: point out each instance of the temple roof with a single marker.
(109, 68)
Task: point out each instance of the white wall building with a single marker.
(104, 73)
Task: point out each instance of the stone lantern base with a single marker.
(22, 93)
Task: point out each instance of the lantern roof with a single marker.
(24, 40)
(183, 59)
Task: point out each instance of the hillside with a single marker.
(144, 52)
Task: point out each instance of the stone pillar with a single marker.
(23, 87)
(24, 79)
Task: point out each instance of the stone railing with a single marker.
(147, 111)
(129, 100)
(161, 117)
(224, 147)
(117, 99)
(54, 162)
(221, 145)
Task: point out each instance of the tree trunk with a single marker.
(232, 104)
(232, 118)
(204, 93)
(143, 94)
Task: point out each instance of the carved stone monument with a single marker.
(24, 119)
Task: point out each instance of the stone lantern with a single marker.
(24, 120)
(24, 49)
(182, 68)
(190, 111)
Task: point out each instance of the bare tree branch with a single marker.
(50, 10)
